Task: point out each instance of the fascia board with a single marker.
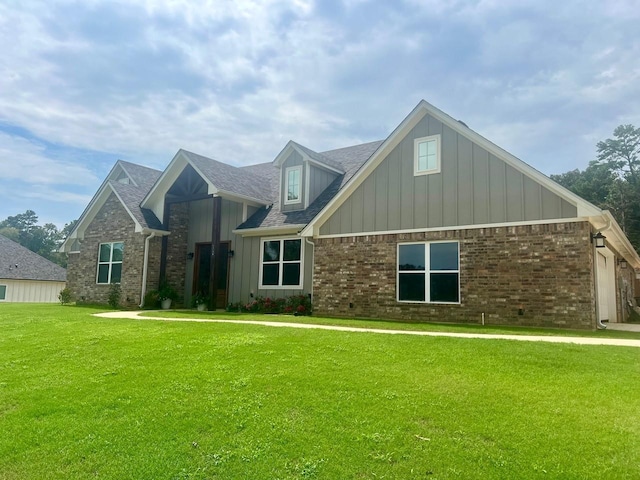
(138, 228)
(585, 209)
(324, 166)
(268, 231)
(91, 211)
(254, 202)
(376, 158)
(284, 153)
(154, 200)
(77, 232)
(620, 240)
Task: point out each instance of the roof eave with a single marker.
(269, 231)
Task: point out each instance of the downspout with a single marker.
(143, 290)
(599, 324)
(313, 264)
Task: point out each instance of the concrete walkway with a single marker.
(621, 342)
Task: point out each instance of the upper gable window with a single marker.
(426, 153)
(293, 176)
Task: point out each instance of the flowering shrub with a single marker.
(294, 305)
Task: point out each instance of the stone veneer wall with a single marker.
(544, 269)
(111, 224)
(176, 269)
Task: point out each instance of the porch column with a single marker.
(165, 242)
(215, 248)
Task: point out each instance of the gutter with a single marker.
(313, 263)
(599, 324)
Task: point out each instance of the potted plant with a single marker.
(200, 301)
(166, 294)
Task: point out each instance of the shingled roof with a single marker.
(349, 160)
(20, 263)
(231, 179)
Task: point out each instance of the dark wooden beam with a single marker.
(165, 242)
(215, 249)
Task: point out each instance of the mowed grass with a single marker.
(382, 324)
(84, 397)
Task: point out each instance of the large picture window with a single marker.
(110, 262)
(428, 272)
(281, 263)
(293, 176)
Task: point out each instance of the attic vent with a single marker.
(124, 180)
(460, 121)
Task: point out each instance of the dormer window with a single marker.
(292, 189)
(426, 151)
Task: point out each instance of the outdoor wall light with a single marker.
(598, 239)
(190, 256)
(231, 253)
(622, 262)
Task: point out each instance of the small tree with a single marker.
(115, 292)
(65, 296)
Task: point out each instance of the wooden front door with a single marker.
(202, 271)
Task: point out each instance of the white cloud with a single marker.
(237, 80)
(27, 161)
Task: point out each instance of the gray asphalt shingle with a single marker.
(20, 263)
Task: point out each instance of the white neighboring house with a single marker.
(25, 276)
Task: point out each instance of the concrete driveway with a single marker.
(621, 342)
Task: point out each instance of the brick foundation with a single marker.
(545, 270)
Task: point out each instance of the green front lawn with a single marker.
(379, 324)
(85, 397)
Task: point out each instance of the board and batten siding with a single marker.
(244, 266)
(32, 291)
(474, 187)
(319, 180)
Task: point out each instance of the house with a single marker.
(434, 223)
(25, 276)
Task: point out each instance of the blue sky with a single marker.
(83, 84)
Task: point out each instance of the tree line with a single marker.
(44, 239)
(612, 180)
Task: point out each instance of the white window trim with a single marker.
(427, 271)
(286, 185)
(6, 290)
(418, 141)
(280, 264)
(110, 262)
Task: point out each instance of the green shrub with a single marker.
(151, 300)
(115, 292)
(65, 295)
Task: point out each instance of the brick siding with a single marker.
(544, 270)
(111, 224)
(177, 246)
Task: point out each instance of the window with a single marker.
(292, 184)
(426, 152)
(429, 272)
(110, 262)
(3, 292)
(281, 263)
